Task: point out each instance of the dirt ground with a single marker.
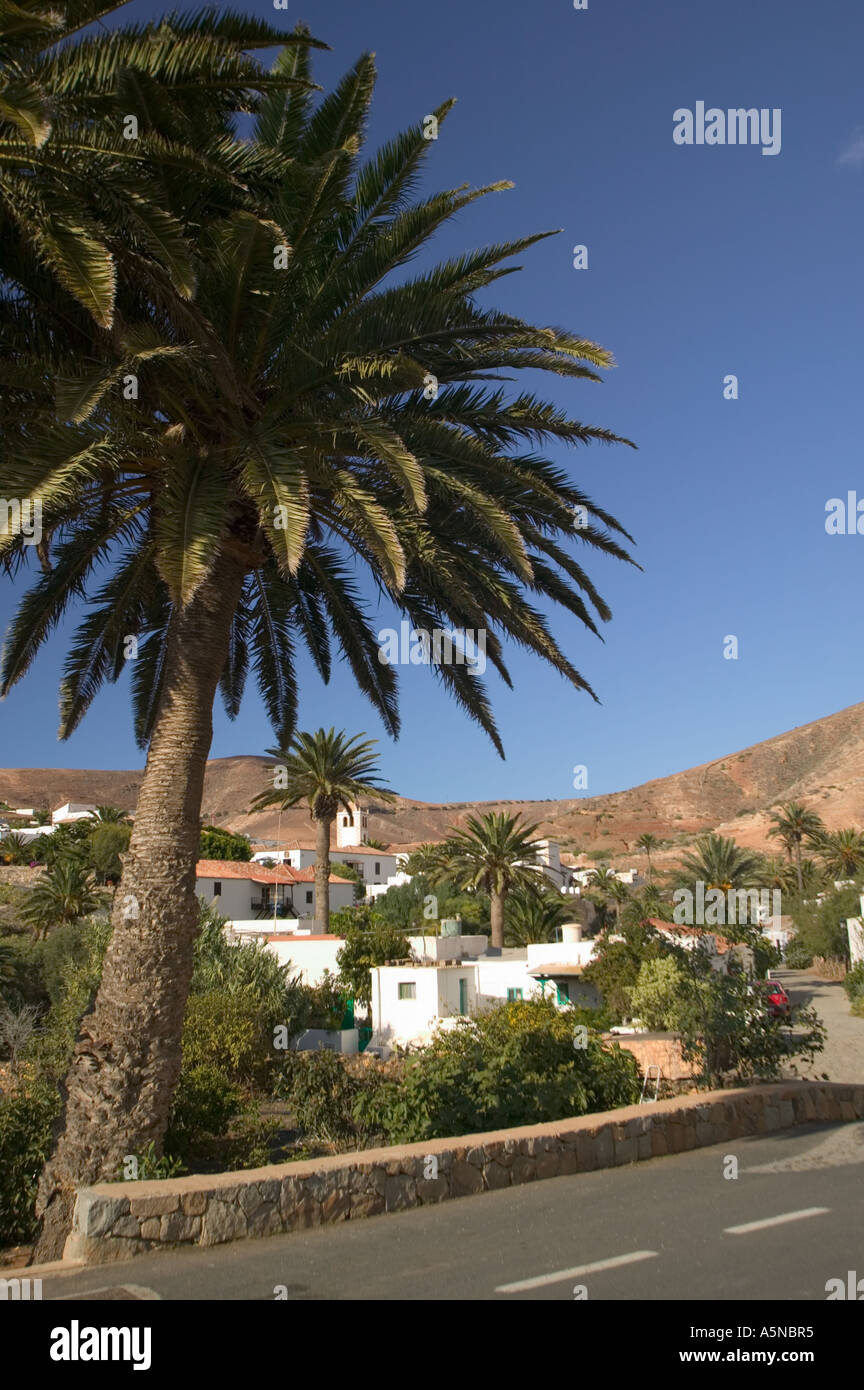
(843, 1057)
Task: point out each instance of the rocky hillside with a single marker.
(821, 764)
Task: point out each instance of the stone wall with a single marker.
(661, 1050)
(21, 875)
(117, 1220)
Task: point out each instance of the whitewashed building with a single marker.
(454, 978)
(71, 811)
(247, 892)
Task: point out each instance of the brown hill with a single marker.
(821, 764)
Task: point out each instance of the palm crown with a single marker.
(327, 770)
(284, 425)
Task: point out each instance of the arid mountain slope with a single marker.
(821, 764)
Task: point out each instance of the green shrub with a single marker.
(854, 982)
(26, 1120)
(215, 1124)
(230, 1032)
(325, 1097)
(515, 1065)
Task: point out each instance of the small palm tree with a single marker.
(68, 891)
(328, 771)
(533, 916)
(794, 824)
(495, 853)
(648, 842)
(14, 849)
(111, 815)
(841, 852)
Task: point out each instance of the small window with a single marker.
(377, 868)
(563, 993)
(308, 895)
(408, 991)
(217, 888)
(513, 995)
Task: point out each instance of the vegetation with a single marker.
(370, 940)
(218, 843)
(217, 517)
(329, 771)
(533, 916)
(494, 853)
(795, 825)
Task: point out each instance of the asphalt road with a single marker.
(668, 1228)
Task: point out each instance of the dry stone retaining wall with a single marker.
(117, 1220)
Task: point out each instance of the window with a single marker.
(463, 996)
(217, 888)
(377, 868)
(308, 895)
(563, 993)
(408, 991)
(513, 995)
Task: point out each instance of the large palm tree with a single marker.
(495, 853)
(719, 862)
(270, 454)
(328, 771)
(794, 825)
(83, 191)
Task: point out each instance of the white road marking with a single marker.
(577, 1270)
(775, 1221)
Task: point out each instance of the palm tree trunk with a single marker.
(124, 1069)
(322, 875)
(798, 867)
(496, 917)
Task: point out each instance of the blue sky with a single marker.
(703, 261)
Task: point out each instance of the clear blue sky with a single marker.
(703, 261)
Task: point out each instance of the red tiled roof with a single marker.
(256, 873)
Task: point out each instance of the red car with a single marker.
(776, 999)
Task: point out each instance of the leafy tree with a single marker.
(64, 893)
(494, 853)
(225, 510)
(794, 825)
(342, 870)
(328, 771)
(820, 927)
(218, 843)
(615, 966)
(108, 842)
(369, 941)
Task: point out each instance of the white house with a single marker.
(855, 928)
(375, 865)
(71, 811)
(452, 979)
(247, 891)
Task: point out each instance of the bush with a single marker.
(229, 1032)
(217, 843)
(215, 1124)
(324, 1097)
(26, 1120)
(515, 1065)
(854, 982)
